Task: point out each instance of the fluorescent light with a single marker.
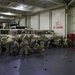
(22, 7)
(8, 13)
(1, 17)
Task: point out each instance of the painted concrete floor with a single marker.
(56, 62)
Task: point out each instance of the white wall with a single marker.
(17, 20)
(29, 21)
(71, 20)
(48, 20)
(41, 21)
(22, 22)
(44, 21)
(35, 21)
(58, 21)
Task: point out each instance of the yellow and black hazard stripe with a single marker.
(24, 37)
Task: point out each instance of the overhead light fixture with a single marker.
(8, 13)
(21, 6)
(1, 17)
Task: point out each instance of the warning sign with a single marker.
(58, 22)
(58, 25)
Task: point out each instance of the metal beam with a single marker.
(52, 1)
(13, 11)
(26, 2)
(13, 8)
(4, 18)
(35, 3)
(71, 2)
(15, 15)
(51, 8)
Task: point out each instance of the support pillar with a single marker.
(66, 20)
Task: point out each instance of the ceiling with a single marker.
(10, 9)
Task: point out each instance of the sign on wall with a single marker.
(58, 21)
(58, 25)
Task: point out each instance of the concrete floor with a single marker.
(56, 62)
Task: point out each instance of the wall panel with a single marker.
(22, 22)
(44, 21)
(71, 20)
(35, 22)
(58, 21)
